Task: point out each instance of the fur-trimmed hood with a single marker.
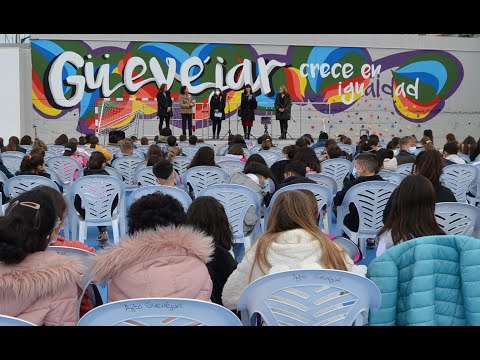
(145, 245)
(40, 274)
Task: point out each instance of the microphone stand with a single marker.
(35, 130)
(229, 132)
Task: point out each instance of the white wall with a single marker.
(10, 92)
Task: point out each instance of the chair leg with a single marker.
(116, 231)
(82, 232)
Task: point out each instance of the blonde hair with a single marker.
(297, 209)
(175, 151)
(427, 143)
(40, 144)
(285, 91)
(126, 145)
(267, 144)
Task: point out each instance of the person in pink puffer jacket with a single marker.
(160, 257)
(36, 285)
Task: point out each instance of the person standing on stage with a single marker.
(165, 104)
(187, 104)
(283, 106)
(217, 111)
(247, 110)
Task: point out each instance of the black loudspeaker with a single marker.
(116, 136)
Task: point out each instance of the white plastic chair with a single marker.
(57, 149)
(458, 177)
(66, 167)
(324, 180)
(54, 176)
(199, 177)
(338, 169)
(309, 297)
(370, 198)
(254, 149)
(458, 218)
(12, 161)
(190, 151)
(323, 195)
(349, 149)
(97, 193)
(269, 156)
(236, 199)
(126, 166)
(474, 188)
(21, 183)
(114, 172)
(3, 177)
(219, 158)
(231, 166)
(84, 257)
(349, 246)
(180, 164)
(145, 177)
(49, 154)
(393, 177)
(136, 153)
(319, 151)
(405, 169)
(175, 192)
(222, 150)
(141, 165)
(160, 312)
(6, 320)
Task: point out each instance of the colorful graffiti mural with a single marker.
(70, 74)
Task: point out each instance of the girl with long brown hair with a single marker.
(412, 214)
(293, 240)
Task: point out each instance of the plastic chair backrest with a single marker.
(199, 177)
(57, 149)
(97, 193)
(457, 177)
(458, 218)
(126, 166)
(136, 153)
(65, 167)
(231, 166)
(114, 172)
(269, 156)
(205, 144)
(12, 161)
(370, 198)
(323, 195)
(175, 192)
(319, 151)
(6, 320)
(393, 177)
(324, 180)
(84, 257)
(255, 149)
(49, 154)
(190, 151)
(3, 177)
(54, 175)
(21, 183)
(144, 177)
(141, 165)
(350, 247)
(349, 149)
(222, 150)
(160, 312)
(338, 169)
(219, 158)
(236, 199)
(180, 164)
(405, 169)
(309, 297)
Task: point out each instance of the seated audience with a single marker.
(412, 214)
(292, 241)
(160, 257)
(200, 215)
(36, 285)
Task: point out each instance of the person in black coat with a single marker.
(278, 167)
(217, 111)
(428, 163)
(199, 215)
(365, 166)
(247, 110)
(165, 104)
(283, 107)
(295, 172)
